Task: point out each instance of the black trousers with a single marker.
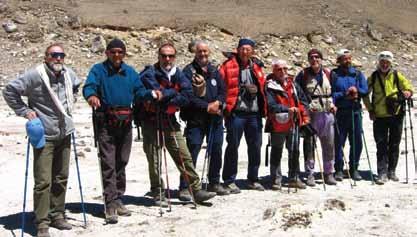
(115, 145)
(387, 135)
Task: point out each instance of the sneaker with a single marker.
(232, 188)
(111, 213)
(393, 177)
(329, 179)
(202, 195)
(43, 232)
(296, 183)
(310, 180)
(61, 224)
(381, 179)
(338, 175)
(121, 209)
(255, 186)
(184, 195)
(354, 174)
(218, 189)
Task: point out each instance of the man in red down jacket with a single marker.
(245, 106)
(286, 114)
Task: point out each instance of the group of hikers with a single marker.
(317, 103)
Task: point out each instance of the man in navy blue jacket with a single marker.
(349, 85)
(111, 88)
(160, 126)
(204, 116)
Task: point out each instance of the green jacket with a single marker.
(375, 100)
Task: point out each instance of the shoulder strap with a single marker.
(381, 84)
(397, 80)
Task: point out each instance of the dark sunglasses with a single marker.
(57, 55)
(314, 56)
(167, 55)
(120, 52)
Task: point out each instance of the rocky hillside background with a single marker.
(282, 28)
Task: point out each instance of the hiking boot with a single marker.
(218, 189)
(310, 180)
(202, 195)
(255, 186)
(156, 197)
(111, 214)
(381, 179)
(61, 224)
(354, 174)
(276, 184)
(43, 232)
(296, 183)
(329, 179)
(393, 177)
(338, 175)
(232, 188)
(121, 209)
(184, 195)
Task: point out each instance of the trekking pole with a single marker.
(159, 157)
(95, 132)
(366, 149)
(353, 147)
(318, 159)
(291, 154)
(207, 157)
(343, 154)
(410, 105)
(25, 188)
(79, 179)
(166, 165)
(187, 179)
(406, 151)
(267, 150)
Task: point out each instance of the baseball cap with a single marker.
(36, 133)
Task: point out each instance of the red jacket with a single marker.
(229, 71)
(280, 99)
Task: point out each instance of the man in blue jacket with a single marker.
(111, 88)
(204, 116)
(349, 85)
(160, 126)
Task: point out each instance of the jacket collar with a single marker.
(112, 71)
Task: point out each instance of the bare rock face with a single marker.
(9, 26)
(375, 35)
(98, 45)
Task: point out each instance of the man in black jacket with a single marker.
(204, 116)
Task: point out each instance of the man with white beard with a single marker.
(50, 89)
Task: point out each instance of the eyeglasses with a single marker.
(120, 52)
(170, 56)
(57, 55)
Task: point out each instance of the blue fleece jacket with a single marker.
(340, 84)
(115, 88)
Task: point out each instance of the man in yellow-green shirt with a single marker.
(387, 91)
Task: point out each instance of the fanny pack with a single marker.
(119, 116)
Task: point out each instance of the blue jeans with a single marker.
(236, 125)
(194, 137)
(344, 123)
